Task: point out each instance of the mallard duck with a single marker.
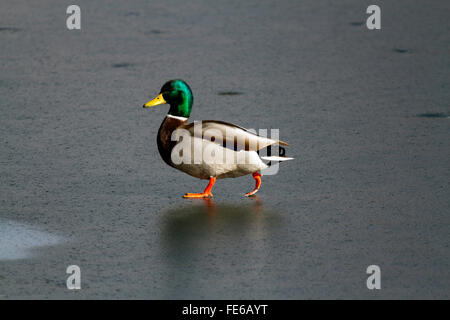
(217, 139)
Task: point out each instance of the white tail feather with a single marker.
(273, 158)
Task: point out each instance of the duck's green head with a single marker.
(178, 95)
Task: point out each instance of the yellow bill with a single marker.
(157, 101)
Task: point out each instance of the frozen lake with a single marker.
(365, 114)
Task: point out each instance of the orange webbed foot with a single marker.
(198, 195)
(205, 194)
(257, 177)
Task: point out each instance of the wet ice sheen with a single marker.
(18, 240)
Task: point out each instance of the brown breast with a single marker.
(165, 144)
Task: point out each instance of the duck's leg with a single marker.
(257, 177)
(206, 194)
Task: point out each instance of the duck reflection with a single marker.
(210, 206)
(211, 241)
(204, 218)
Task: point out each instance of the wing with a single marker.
(230, 135)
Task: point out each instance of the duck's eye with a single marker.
(171, 96)
(176, 95)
